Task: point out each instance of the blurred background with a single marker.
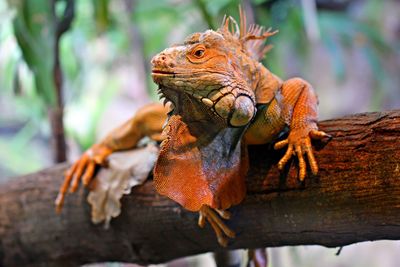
(70, 71)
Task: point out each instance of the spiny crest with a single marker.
(251, 39)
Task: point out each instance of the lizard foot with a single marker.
(299, 143)
(221, 230)
(83, 169)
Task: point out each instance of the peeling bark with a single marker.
(355, 197)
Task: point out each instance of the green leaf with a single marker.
(34, 28)
(101, 15)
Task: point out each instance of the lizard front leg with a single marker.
(148, 121)
(294, 106)
(299, 111)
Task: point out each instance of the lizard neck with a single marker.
(200, 161)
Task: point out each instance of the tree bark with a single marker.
(355, 197)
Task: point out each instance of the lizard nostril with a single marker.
(163, 58)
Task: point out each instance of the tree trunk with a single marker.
(355, 197)
(56, 112)
(56, 115)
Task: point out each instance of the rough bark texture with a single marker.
(355, 197)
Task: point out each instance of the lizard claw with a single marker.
(221, 230)
(82, 170)
(299, 143)
(315, 134)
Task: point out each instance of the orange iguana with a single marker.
(221, 99)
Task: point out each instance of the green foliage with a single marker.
(339, 31)
(101, 14)
(285, 16)
(155, 32)
(35, 32)
(10, 152)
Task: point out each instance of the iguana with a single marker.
(219, 98)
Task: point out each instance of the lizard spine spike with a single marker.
(165, 102)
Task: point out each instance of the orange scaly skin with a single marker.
(221, 98)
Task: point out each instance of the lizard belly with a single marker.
(197, 167)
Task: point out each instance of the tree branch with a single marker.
(355, 197)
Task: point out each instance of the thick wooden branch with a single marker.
(355, 197)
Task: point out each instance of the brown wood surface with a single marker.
(355, 197)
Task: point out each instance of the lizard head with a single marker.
(216, 69)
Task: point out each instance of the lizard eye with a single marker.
(199, 52)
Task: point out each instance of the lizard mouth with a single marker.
(161, 72)
(161, 76)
